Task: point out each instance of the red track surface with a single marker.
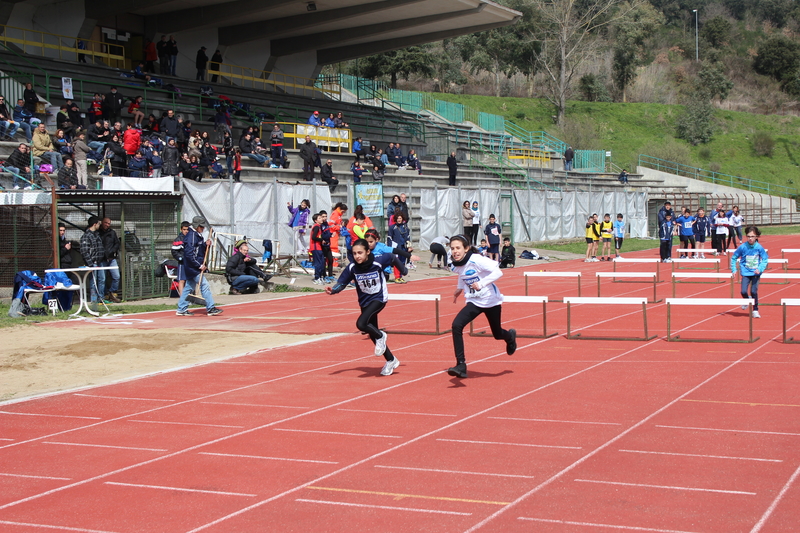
(565, 436)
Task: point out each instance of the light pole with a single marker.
(696, 40)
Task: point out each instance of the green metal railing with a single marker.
(590, 160)
(718, 178)
(536, 138)
(499, 165)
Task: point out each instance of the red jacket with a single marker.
(131, 140)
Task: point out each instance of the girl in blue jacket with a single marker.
(752, 259)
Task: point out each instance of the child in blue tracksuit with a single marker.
(665, 231)
(619, 233)
(702, 229)
(752, 259)
(373, 293)
(685, 223)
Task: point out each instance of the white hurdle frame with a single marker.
(569, 300)
(788, 302)
(701, 275)
(710, 301)
(786, 276)
(419, 298)
(639, 260)
(523, 300)
(636, 275)
(785, 251)
(553, 275)
(714, 261)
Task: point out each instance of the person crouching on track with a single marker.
(753, 260)
(476, 277)
(373, 293)
(242, 272)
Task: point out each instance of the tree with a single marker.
(778, 57)
(403, 63)
(447, 66)
(631, 34)
(696, 124)
(712, 82)
(569, 36)
(716, 31)
(490, 51)
(593, 88)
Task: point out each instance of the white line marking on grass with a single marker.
(104, 446)
(611, 526)
(179, 489)
(459, 472)
(46, 526)
(184, 424)
(705, 456)
(34, 477)
(269, 458)
(386, 507)
(775, 502)
(338, 433)
(53, 416)
(645, 485)
(512, 444)
(392, 412)
(548, 420)
(732, 430)
(122, 398)
(257, 405)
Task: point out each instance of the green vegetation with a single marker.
(578, 246)
(123, 309)
(780, 230)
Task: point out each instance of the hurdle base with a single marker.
(790, 340)
(435, 333)
(519, 335)
(676, 338)
(578, 336)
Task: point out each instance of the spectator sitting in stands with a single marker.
(330, 122)
(326, 173)
(62, 143)
(97, 135)
(74, 113)
(398, 155)
(358, 148)
(378, 170)
(136, 112)
(372, 154)
(18, 163)
(412, 161)
(383, 158)
(357, 172)
(139, 72)
(339, 121)
(96, 108)
(152, 124)
(242, 271)
(63, 122)
(623, 177)
(43, 146)
(137, 166)
(313, 120)
(68, 176)
(8, 127)
(389, 153)
(23, 117)
(157, 163)
(190, 168)
(247, 148)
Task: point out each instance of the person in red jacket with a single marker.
(131, 140)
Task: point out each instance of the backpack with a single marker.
(528, 255)
(132, 244)
(267, 244)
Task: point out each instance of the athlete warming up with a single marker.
(371, 287)
(476, 277)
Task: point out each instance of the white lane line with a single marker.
(7, 439)
(257, 405)
(459, 472)
(54, 416)
(269, 458)
(611, 526)
(693, 489)
(46, 526)
(338, 433)
(34, 477)
(705, 456)
(512, 444)
(388, 508)
(733, 430)
(178, 489)
(104, 446)
(392, 412)
(775, 502)
(122, 398)
(549, 420)
(184, 424)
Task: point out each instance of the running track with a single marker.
(565, 436)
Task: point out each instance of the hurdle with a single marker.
(569, 300)
(638, 260)
(786, 302)
(693, 251)
(523, 300)
(645, 276)
(553, 275)
(785, 251)
(710, 301)
(419, 298)
(714, 262)
(786, 276)
(719, 276)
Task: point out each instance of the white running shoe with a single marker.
(380, 345)
(756, 314)
(702, 256)
(389, 367)
(744, 308)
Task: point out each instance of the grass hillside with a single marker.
(630, 129)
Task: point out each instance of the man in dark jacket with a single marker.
(664, 211)
(113, 103)
(18, 163)
(194, 263)
(452, 165)
(111, 247)
(200, 64)
(163, 55)
(7, 124)
(569, 155)
(308, 153)
(23, 117)
(247, 146)
(64, 248)
(170, 126)
(326, 172)
(97, 135)
(242, 271)
(93, 254)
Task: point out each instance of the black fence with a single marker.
(26, 241)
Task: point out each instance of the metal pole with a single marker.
(696, 38)
(232, 204)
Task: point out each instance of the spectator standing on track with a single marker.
(619, 234)
(64, 248)
(493, 233)
(606, 233)
(298, 221)
(452, 168)
(466, 219)
(735, 221)
(111, 246)
(590, 240)
(177, 253)
(242, 271)
(685, 224)
(400, 237)
(339, 220)
(702, 229)
(752, 259)
(476, 223)
(194, 253)
(476, 279)
(93, 254)
(721, 230)
(665, 232)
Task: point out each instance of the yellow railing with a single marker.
(294, 134)
(267, 80)
(531, 156)
(63, 47)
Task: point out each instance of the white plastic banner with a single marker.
(66, 88)
(118, 183)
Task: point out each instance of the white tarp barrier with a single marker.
(119, 183)
(26, 198)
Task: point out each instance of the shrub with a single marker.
(705, 153)
(716, 31)
(581, 132)
(669, 150)
(696, 124)
(778, 57)
(714, 167)
(593, 89)
(763, 143)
